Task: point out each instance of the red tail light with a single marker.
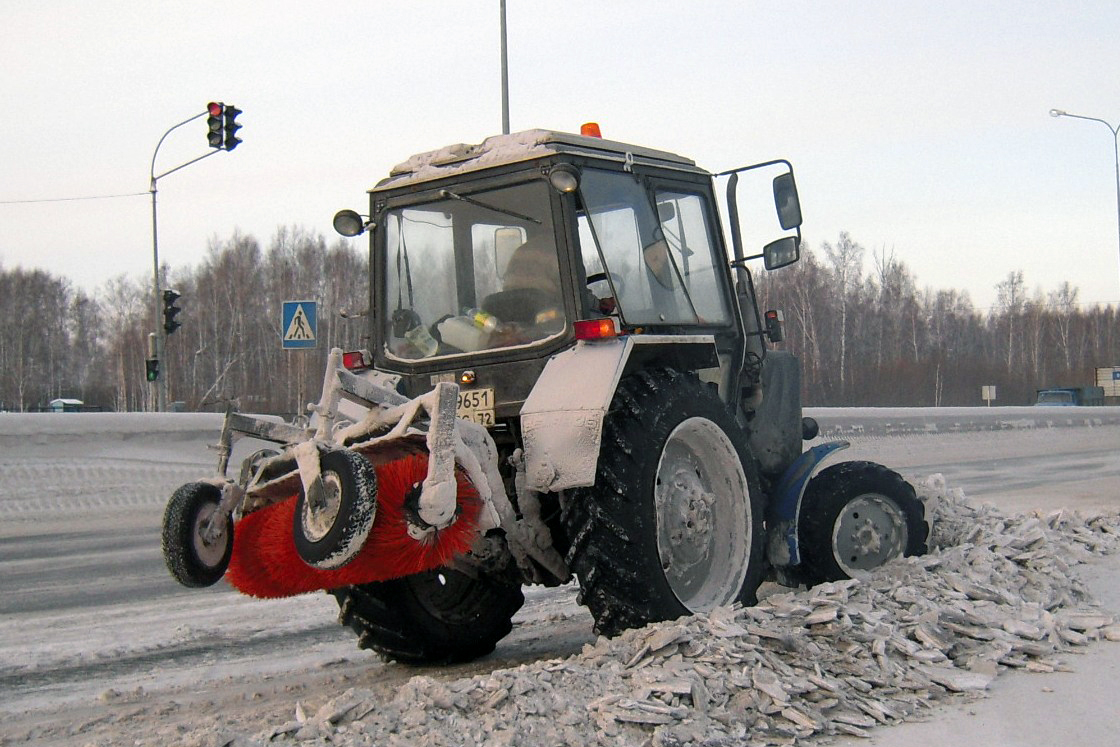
(357, 360)
(595, 329)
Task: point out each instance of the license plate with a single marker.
(477, 405)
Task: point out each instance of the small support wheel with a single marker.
(196, 553)
(331, 528)
(855, 517)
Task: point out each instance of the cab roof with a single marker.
(500, 150)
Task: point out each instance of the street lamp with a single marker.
(1115, 155)
(505, 69)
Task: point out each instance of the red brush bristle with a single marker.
(389, 549)
(261, 542)
(265, 562)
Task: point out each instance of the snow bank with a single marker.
(842, 422)
(49, 425)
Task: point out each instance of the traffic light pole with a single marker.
(157, 390)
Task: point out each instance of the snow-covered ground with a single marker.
(98, 645)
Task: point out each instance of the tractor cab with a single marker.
(491, 258)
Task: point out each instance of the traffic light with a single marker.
(170, 311)
(151, 366)
(231, 127)
(214, 123)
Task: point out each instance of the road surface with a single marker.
(98, 645)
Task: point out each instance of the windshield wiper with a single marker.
(447, 193)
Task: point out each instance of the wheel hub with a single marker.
(702, 514)
(687, 506)
(319, 516)
(870, 531)
(209, 546)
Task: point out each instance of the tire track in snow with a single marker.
(34, 487)
(183, 655)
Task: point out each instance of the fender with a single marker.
(562, 418)
(785, 503)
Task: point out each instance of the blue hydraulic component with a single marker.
(785, 502)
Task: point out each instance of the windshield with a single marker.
(471, 272)
(663, 265)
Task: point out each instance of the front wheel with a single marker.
(856, 516)
(673, 523)
(330, 529)
(196, 553)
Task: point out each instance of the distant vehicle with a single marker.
(1070, 396)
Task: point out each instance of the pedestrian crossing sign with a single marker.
(298, 324)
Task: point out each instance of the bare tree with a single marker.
(1063, 304)
(1011, 296)
(847, 268)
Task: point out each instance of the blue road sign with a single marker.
(298, 324)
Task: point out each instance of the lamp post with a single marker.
(505, 70)
(1115, 155)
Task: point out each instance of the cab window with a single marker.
(656, 247)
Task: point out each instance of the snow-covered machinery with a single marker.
(568, 374)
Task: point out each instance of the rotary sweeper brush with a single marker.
(345, 503)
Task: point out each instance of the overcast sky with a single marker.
(920, 128)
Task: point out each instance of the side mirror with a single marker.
(349, 223)
(781, 252)
(786, 202)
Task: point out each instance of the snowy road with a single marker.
(97, 643)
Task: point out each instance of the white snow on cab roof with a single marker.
(500, 150)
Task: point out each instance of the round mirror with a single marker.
(349, 223)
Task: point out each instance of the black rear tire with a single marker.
(673, 523)
(192, 560)
(436, 617)
(856, 516)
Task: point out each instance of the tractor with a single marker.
(567, 374)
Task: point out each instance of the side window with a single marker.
(691, 250)
(619, 239)
(591, 262)
(658, 249)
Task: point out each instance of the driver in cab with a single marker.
(530, 306)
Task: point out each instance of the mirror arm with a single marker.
(742, 262)
(756, 166)
(733, 218)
